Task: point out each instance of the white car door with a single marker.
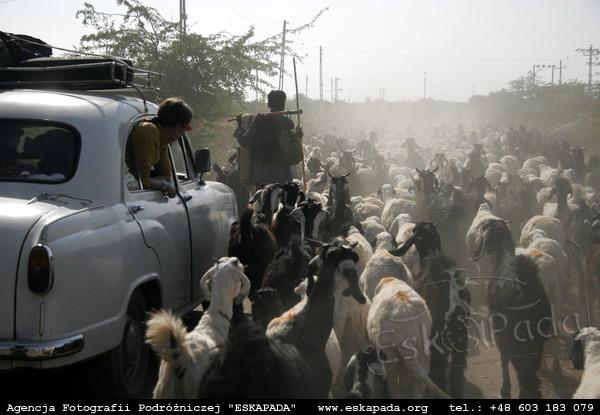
(203, 213)
(165, 226)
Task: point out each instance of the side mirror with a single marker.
(202, 161)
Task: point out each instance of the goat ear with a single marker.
(301, 197)
(255, 196)
(310, 284)
(205, 284)
(577, 354)
(349, 373)
(402, 249)
(480, 249)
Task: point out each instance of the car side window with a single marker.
(180, 161)
(129, 170)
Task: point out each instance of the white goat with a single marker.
(587, 345)
(399, 323)
(185, 356)
(383, 264)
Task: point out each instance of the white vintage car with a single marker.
(85, 251)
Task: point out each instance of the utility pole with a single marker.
(337, 88)
(425, 86)
(553, 67)
(591, 52)
(560, 68)
(282, 62)
(472, 90)
(182, 18)
(306, 87)
(382, 94)
(332, 90)
(321, 73)
(256, 88)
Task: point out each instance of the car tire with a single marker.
(132, 364)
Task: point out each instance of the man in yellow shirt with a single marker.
(151, 141)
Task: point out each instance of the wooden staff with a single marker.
(298, 126)
(298, 111)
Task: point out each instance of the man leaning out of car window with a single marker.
(151, 140)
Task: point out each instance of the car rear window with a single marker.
(37, 151)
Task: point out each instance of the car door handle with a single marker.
(186, 197)
(136, 208)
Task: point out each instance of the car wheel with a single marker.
(132, 361)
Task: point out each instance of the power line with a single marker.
(254, 14)
(370, 52)
(246, 17)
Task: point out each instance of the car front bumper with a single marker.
(35, 351)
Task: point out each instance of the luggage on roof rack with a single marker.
(80, 72)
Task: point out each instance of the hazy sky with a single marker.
(463, 45)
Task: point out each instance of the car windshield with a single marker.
(37, 151)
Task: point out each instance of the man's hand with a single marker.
(168, 189)
(238, 118)
(299, 132)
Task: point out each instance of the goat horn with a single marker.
(315, 242)
(402, 249)
(244, 289)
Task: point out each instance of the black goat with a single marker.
(230, 175)
(313, 218)
(293, 194)
(519, 309)
(441, 285)
(266, 202)
(254, 245)
(286, 271)
(365, 377)
(286, 226)
(290, 362)
(338, 206)
(266, 305)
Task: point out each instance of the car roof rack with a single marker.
(80, 73)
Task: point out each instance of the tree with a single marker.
(211, 72)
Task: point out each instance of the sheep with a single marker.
(493, 174)
(411, 257)
(535, 163)
(383, 264)
(289, 361)
(517, 298)
(365, 376)
(364, 210)
(372, 227)
(551, 227)
(440, 283)
(400, 220)
(548, 174)
(586, 357)
(185, 356)
(255, 246)
(395, 207)
(399, 324)
(511, 163)
(352, 234)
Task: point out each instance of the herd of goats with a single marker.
(371, 279)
